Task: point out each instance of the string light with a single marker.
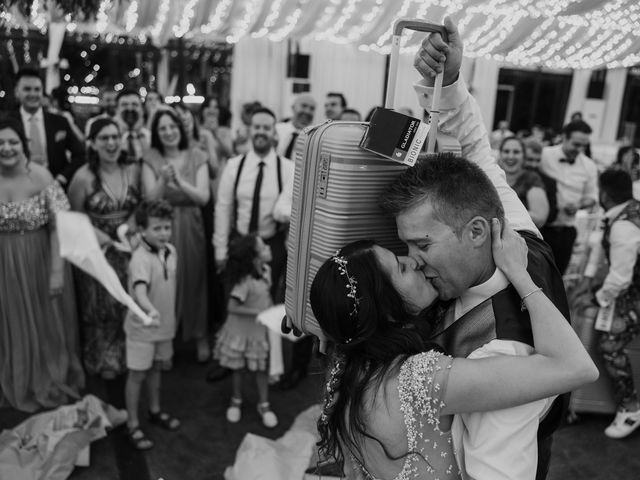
(240, 28)
(290, 23)
(270, 21)
(102, 19)
(542, 33)
(359, 30)
(185, 22)
(131, 16)
(160, 19)
(216, 18)
(347, 13)
(386, 36)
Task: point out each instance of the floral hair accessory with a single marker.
(351, 285)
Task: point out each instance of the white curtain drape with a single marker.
(614, 93)
(259, 73)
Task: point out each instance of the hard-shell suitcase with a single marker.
(336, 190)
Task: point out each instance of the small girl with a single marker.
(242, 341)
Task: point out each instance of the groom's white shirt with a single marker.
(502, 444)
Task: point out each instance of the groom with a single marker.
(443, 210)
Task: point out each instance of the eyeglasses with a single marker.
(106, 138)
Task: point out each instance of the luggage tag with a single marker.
(395, 136)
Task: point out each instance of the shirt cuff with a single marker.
(590, 271)
(452, 96)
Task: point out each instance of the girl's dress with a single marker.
(189, 239)
(101, 315)
(39, 362)
(242, 342)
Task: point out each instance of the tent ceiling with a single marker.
(529, 33)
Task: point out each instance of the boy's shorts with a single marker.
(141, 355)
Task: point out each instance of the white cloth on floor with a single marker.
(286, 458)
(47, 446)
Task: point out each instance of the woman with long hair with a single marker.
(176, 172)
(526, 183)
(391, 396)
(107, 189)
(40, 365)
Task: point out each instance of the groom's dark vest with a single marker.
(500, 317)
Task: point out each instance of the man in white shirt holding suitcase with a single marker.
(499, 445)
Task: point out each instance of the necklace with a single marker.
(124, 186)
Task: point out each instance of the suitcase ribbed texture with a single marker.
(336, 190)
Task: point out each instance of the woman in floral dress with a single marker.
(106, 189)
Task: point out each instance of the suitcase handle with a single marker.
(420, 26)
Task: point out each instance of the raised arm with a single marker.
(461, 118)
(559, 364)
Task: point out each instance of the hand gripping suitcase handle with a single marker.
(419, 26)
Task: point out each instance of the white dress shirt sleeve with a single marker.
(460, 117)
(282, 207)
(625, 246)
(224, 209)
(591, 186)
(502, 444)
(596, 254)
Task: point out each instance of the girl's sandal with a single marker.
(164, 420)
(138, 439)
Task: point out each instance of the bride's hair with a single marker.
(370, 342)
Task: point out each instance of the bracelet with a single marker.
(523, 307)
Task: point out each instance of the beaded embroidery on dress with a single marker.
(421, 385)
(34, 212)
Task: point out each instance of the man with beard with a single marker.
(250, 187)
(304, 106)
(52, 142)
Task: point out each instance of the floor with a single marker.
(206, 443)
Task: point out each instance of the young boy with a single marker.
(152, 282)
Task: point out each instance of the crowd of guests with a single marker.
(554, 182)
(191, 216)
(187, 209)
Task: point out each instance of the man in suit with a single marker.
(303, 108)
(443, 209)
(52, 142)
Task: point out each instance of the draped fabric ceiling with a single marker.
(578, 34)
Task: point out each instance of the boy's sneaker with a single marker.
(234, 414)
(624, 423)
(269, 418)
